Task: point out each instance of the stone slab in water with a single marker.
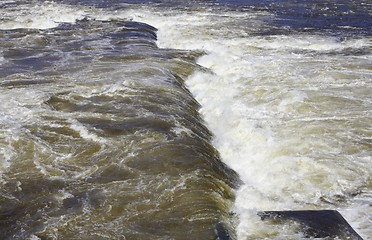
(317, 223)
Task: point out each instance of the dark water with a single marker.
(333, 15)
(101, 139)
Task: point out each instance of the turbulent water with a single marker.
(173, 120)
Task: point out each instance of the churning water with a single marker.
(168, 120)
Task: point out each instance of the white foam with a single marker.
(62, 195)
(358, 214)
(180, 130)
(19, 105)
(84, 132)
(6, 154)
(34, 237)
(306, 42)
(2, 59)
(41, 16)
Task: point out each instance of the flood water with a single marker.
(173, 120)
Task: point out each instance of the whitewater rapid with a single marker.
(287, 113)
(291, 113)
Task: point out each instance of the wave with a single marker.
(111, 144)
